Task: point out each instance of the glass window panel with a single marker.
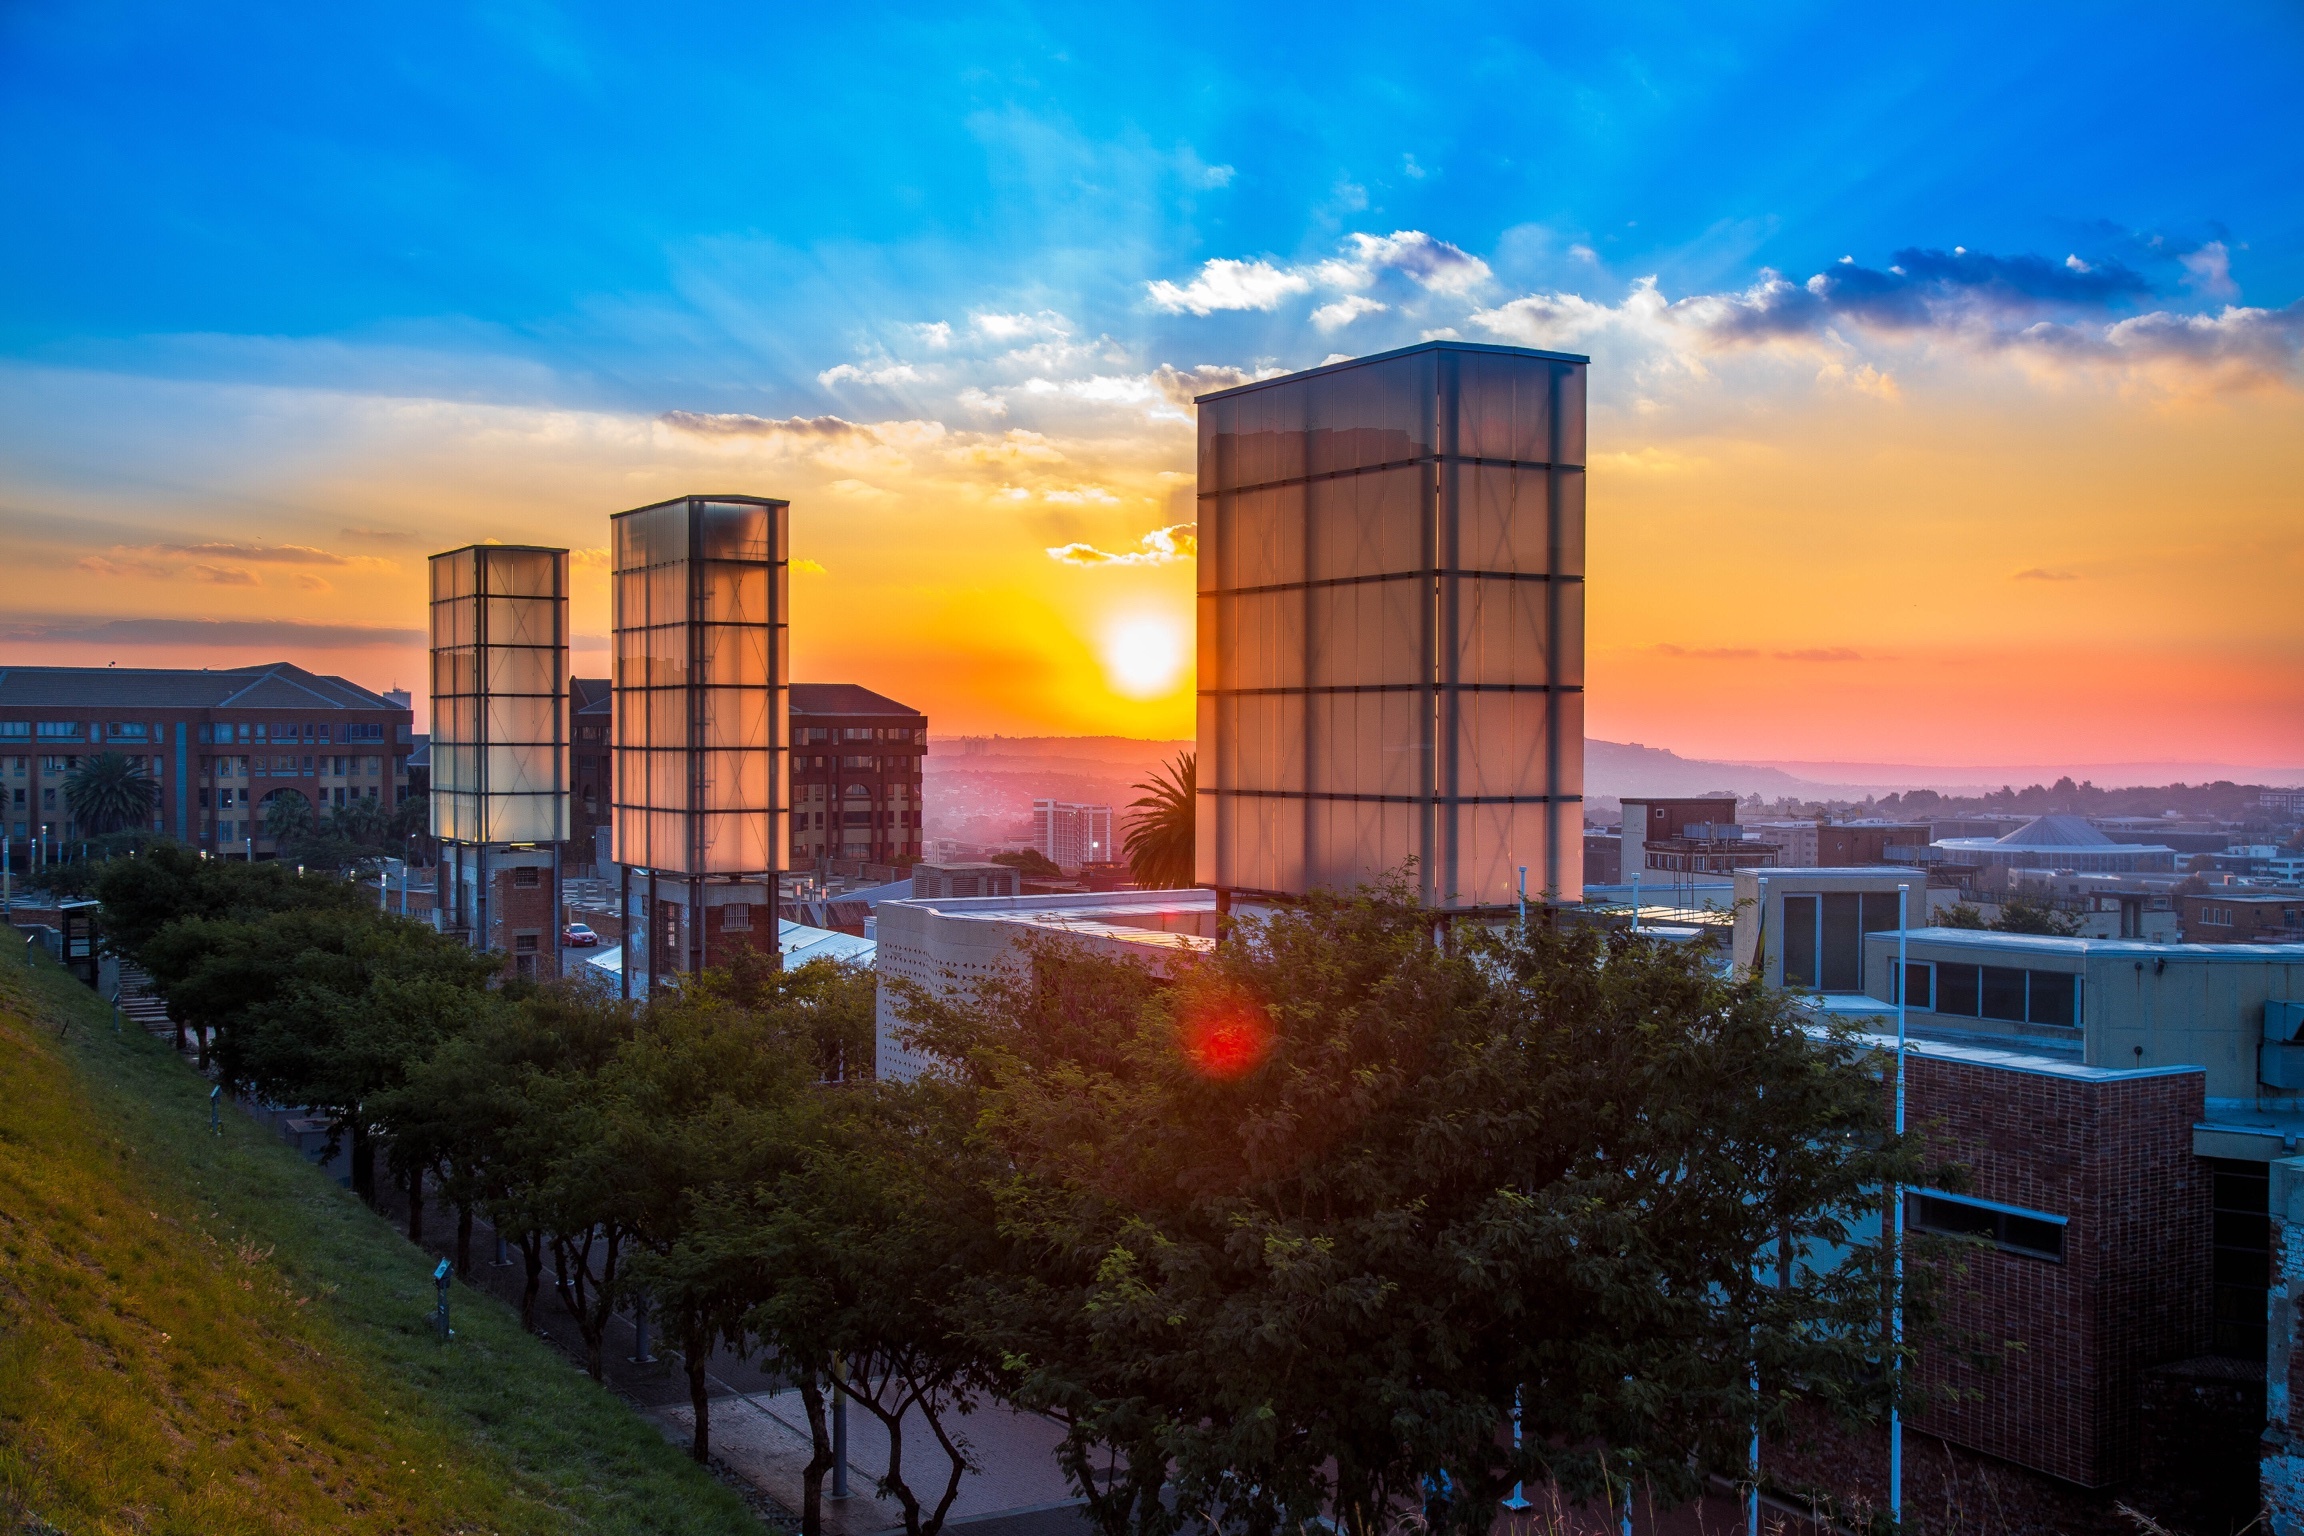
(1503, 744)
(519, 572)
(1504, 407)
(519, 719)
(1492, 842)
(736, 718)
(1264, 635)
(735, 781)
(667, 717)
(1799, 941)
(1263, 744)
(735, 656)
(733, 530)
(734, 594)
(525, 669)
(1500, 630)
(1380, 413)
(1259, 538)
(1366, 525)
(1958, 989)
(1567, 716)
(2003, 994)
(1367, 632)
(2055, 997)
(524, 621)
(1366, 744)
(1504, 518)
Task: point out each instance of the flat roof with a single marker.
(2003, 1060)
(2054, 944)
(1385, 357)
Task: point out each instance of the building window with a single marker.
(525, 877)
(15, 730)
(127, 730)
(2241, 1261)
(59, 730)
(1824, 937)
(2032, 1234)
(736, 919)
(2007, 994)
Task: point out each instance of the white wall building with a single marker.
(1069, 835)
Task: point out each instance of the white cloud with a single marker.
(885, 373)
(934, 334)
(2208, 270)
(1330, 317)
(1017, 327)
(1432, 264)
(1227, 284)
(1162, 546)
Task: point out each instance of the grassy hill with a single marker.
(203, 1333)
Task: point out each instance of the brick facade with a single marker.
(2112, 1153)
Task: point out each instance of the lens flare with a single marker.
(1228, 1041)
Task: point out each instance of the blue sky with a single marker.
(229, 221)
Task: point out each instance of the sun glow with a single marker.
(1144, 656)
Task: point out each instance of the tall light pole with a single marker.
(1896, 1232)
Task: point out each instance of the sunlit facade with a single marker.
(701, 709)
(1391, 627)
(499, 754)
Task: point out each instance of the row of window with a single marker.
(291, 767)
(137, 730)
(909, 765)
(809, 735)
(803, 820)
(2005, 993)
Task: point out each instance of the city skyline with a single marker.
(1930, 423)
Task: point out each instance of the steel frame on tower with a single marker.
(702, 704)
(1391, 626)
(499, 632)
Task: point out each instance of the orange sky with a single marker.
(1951, 558)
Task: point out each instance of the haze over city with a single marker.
(1944, 389)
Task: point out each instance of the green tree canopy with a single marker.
(1295, 1233)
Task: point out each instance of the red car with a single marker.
(578, 936)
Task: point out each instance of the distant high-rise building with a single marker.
(1070, 836)
(1392, 626)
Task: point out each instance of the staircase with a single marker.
(142, 1006)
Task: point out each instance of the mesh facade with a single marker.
(499, 694)
(701, 692)
(1391, 626)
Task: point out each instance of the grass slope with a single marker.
(203, 1333)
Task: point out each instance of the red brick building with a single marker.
(2238, 915)
(591, 764)
(856, 776)
(2094, 1220)
(219, 745)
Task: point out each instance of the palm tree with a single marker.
(1160, 841)
(287, 817)
(107, 793)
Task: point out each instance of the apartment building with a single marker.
(219, 744)
(1071, 836)
(856, 776)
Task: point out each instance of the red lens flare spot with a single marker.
(1227, 1042)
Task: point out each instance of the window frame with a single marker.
(2002, 1216)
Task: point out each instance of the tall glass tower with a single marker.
(1392, 627)
(499, 800)
(702, 699)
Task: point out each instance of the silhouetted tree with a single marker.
(1160, 845)
(108, 793)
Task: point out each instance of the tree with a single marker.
(1160, 844)
(108, 793)
(169, 881)
(288, 817)
(865, 1257)
(1293, 1234)
(1030, 862)
(835, 1004)
(1962, 914)
(2027, 913)
(710, 1099)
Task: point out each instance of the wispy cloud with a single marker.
(2042, 573)
(286, 633)
(1227, 284)
(1331, 317)
(1162, 546)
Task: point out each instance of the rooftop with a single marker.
(1385, 357)
(846, 699)
(273, 685)
(2095, 949)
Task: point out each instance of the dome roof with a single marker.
(2055, 832)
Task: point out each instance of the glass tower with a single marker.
(701, 687)
(1391, 627)
(499, 726)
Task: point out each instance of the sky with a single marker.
(1947, 365)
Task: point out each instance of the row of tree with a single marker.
(1294, 1232)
